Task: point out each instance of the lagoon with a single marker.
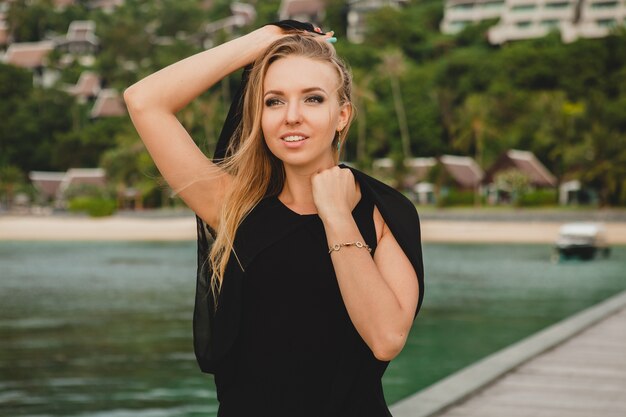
(104, 328)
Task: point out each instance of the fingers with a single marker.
(326, 37)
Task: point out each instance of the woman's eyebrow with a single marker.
(306, 90)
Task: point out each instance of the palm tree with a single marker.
(361, 94)
(472, 127)
(393, 66)
(10, 178)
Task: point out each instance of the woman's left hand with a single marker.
(335, 192)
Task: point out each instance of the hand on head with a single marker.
(290, 27)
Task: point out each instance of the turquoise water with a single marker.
(104, 329)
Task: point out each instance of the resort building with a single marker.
(460, 13)
(598, 18)
(516, 169)
(4, 33)
(527, 19)
(87, 87)
(527, 163)
(357, 16)
(108, 104)
(463, 171)
(46, 183)
(32, 56)
(63, 4)
(52, 185)
(312, 11)
(80, 38)
(416, 179)
(242, 14)
(107, 6)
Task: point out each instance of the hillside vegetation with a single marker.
(564, 102)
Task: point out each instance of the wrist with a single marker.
(337, 219)
(266, 35)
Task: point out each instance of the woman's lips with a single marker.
(294, 138)
(293, 141)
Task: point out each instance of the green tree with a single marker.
(393, 65)
(606, 168)
(474, 126)
(11, 177)
(362, 94)
(29, 132)
(129, 166)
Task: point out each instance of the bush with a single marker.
(537, 198)
(94, 206)
(87, 190)
(456, 198)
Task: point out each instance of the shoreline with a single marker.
(58, 228)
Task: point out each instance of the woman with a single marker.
(309, 293)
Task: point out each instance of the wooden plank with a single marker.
(528, 411)
(585, 376)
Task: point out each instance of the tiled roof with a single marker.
(108, 104)
(301, 7)
(53, 183)
(28, 54)
(82, 30)
(106, 5)
(88, 85)
(417, 169)
(74, 176)
(61, 4)
(526, 162)
(46, 182)
(463, 169)
(4, 32)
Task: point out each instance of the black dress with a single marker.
(297, 353)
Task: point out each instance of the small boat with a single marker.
(581, 241)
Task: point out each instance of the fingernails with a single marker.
(331, 40)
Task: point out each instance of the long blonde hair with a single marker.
(255, 171)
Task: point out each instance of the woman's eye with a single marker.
(272, 102)
(315, 99)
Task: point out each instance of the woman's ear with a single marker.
(345, 111)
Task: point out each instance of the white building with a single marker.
(313, 11)
(460, 13)
(527, 19)
(357, 16)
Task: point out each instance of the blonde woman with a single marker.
(311, 277)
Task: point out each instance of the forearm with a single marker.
(173, 87)
(374, 309)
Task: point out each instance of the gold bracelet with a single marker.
(358, 244)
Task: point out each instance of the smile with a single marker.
(294, 138)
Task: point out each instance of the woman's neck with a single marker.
(298, 190)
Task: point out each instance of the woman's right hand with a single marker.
(154, 101)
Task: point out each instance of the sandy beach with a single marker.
(184, 228)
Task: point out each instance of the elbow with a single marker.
(131, 97)
(138, 100)
(389, 348)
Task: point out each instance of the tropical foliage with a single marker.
(419, 92)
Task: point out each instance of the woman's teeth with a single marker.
(293, 138)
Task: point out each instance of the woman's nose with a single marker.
(294, 114)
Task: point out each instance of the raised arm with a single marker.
(154, 101)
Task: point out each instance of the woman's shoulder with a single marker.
(381, 193)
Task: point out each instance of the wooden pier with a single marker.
(576, 368)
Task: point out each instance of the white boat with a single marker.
(582, 241)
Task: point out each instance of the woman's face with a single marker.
(301, 111)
